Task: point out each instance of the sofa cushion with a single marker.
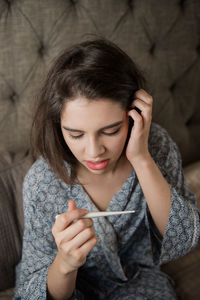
(192, 175)
(7, 294)
(12, 171)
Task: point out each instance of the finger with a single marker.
(80, 239)
(73, 230)
(138, 120)
(87, 247)
(146, 109)
(81, 253)
(71, 206)
(64, 220)
(143, 95)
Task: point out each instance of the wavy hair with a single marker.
(92, 69)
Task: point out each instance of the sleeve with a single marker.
(39, 248)
(183, 228)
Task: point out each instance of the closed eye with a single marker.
(112, 133)
(75, 136)
(102, 130)
(105, 133)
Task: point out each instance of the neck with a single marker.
(121, 165)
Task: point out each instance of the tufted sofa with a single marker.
(162, 37)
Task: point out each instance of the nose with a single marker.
(94, 148)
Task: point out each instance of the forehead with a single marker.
(82, 110)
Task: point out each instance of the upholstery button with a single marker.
(172, 87)
(198, 49)
(73, 2)
(130, 4)
(152, 49)
(14, 97)
(182, 4)
(9, 2)
(42, 50)
(188, 122)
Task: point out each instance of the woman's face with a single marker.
(95, 132)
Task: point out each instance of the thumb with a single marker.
(71, 205)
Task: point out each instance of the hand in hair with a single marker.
(137, 148)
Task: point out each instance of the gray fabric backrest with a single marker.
(161, 36)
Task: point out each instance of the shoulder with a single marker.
(43, 188)
(40, 171)
(158, 135)
(161, 146)
(159, 138)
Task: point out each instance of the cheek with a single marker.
(72, 145)
(118, 145)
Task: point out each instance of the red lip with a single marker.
(97, 165)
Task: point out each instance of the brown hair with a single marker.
(93, 69)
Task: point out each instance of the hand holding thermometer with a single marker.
(97, 214)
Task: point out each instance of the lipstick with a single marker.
(97, 165)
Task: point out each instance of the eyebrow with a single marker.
(103, 128)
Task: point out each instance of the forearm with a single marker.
(60, 284)
(156, 190)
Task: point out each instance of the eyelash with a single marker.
(109, 134)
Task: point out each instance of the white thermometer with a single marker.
(97, 214)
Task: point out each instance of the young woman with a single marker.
(98, 150)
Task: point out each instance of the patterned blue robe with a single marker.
(125, 264)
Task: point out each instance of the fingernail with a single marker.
(56, 216)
